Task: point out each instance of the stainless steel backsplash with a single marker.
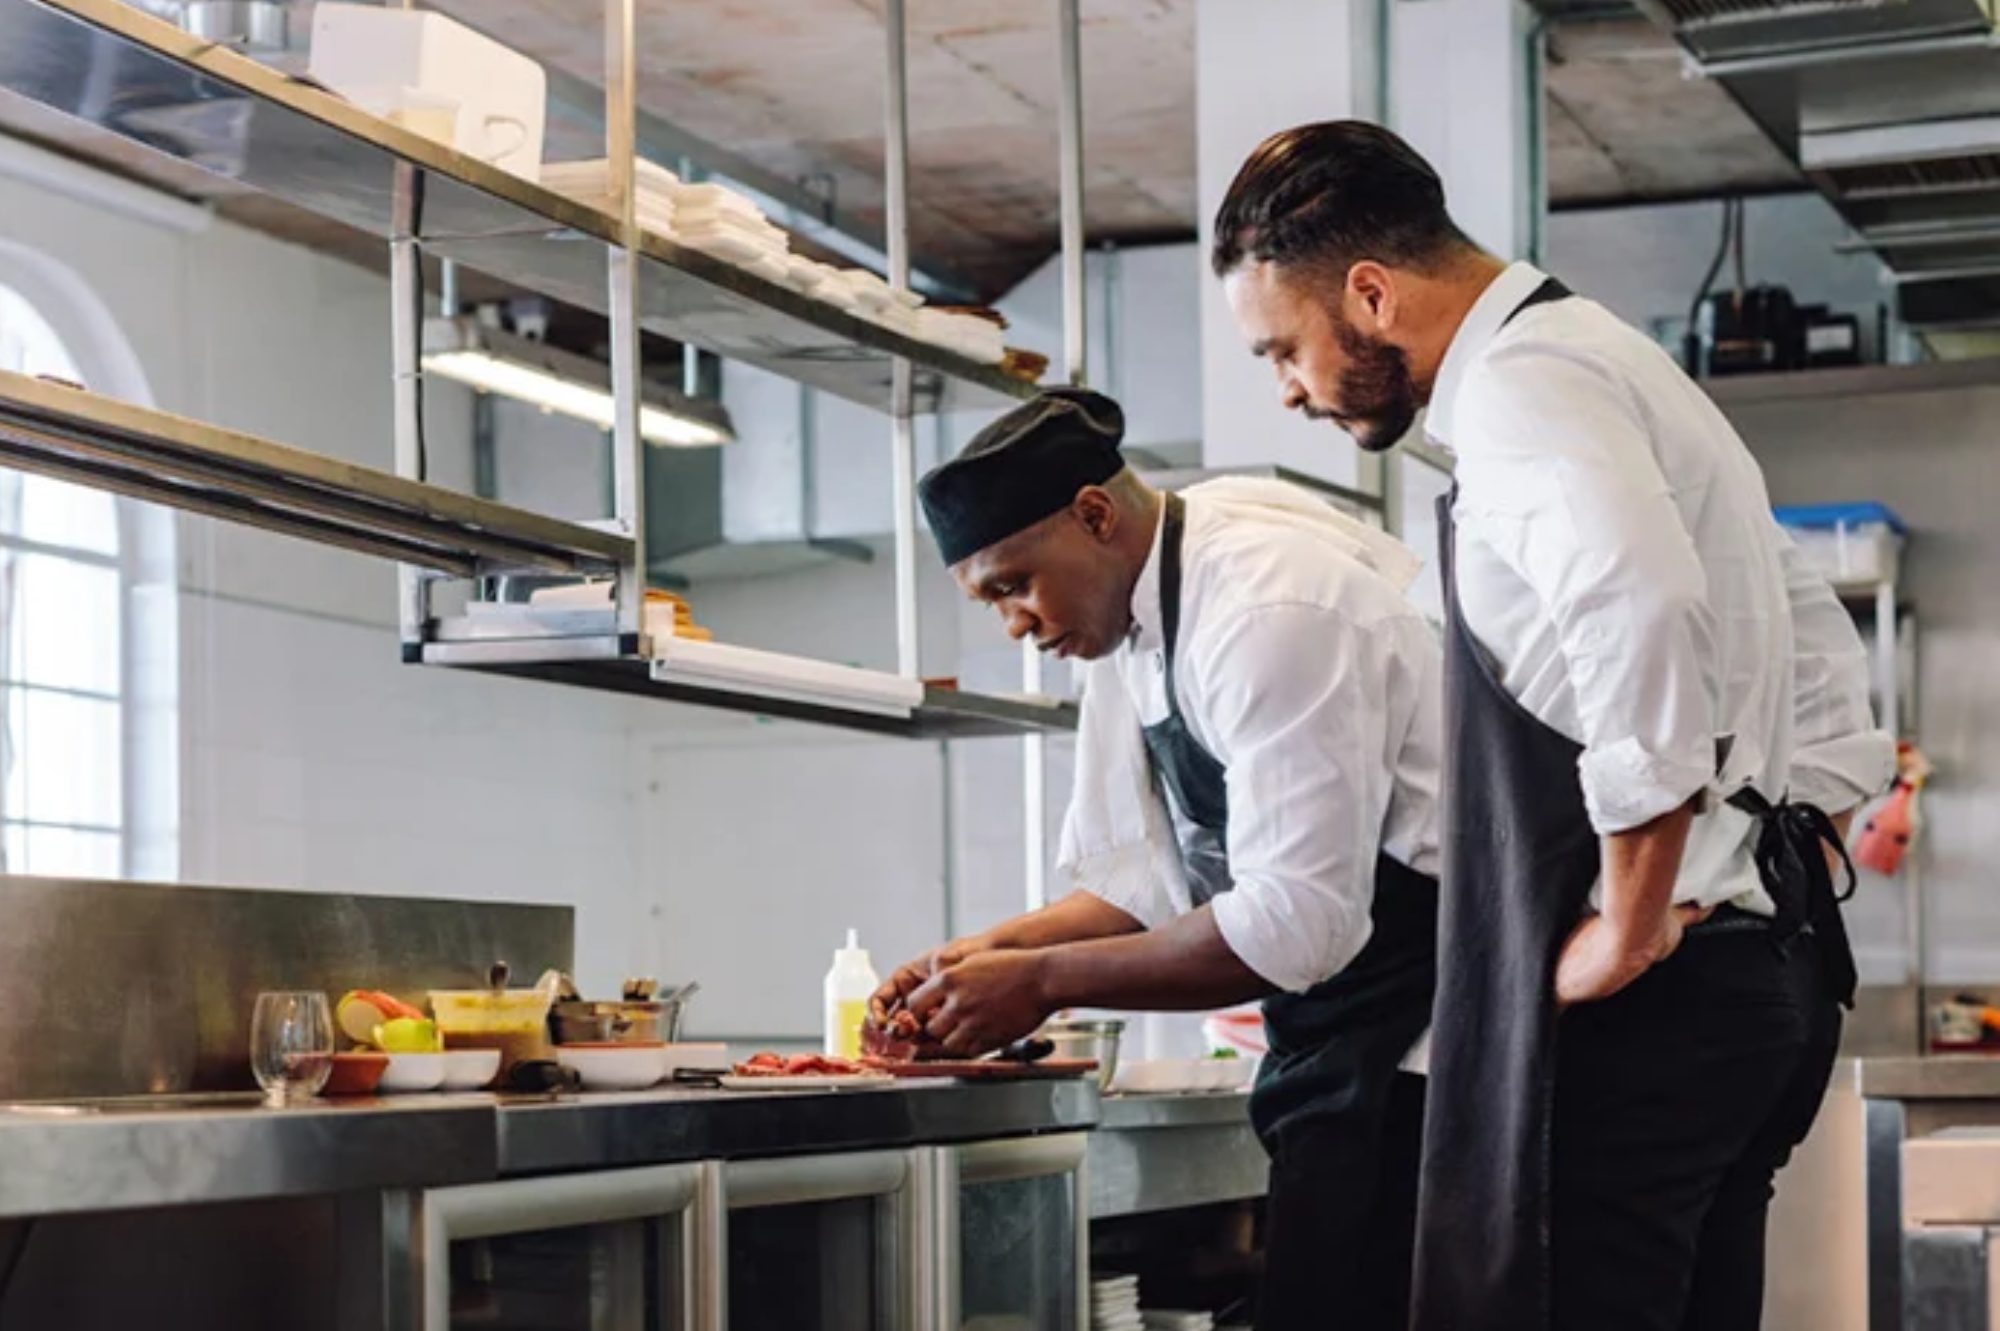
(119, 988)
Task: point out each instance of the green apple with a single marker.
(407, 1035)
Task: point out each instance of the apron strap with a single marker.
(1791, 861)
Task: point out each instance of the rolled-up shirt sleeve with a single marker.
(1839, 758)
(1117, 839)
(1554, 453)
(1303, 736)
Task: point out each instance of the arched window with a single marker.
(62, 650)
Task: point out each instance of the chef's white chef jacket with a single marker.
(1303, 669)
(1618, 562)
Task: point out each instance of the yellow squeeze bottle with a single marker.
(848, 987)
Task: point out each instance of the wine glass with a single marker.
(291, 1045)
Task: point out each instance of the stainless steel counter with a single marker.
(1934, 1077)
(1165, 1152)
(668, 1127)
(58, 1158)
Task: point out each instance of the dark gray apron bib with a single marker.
(1334, 1050)
(1520, 859)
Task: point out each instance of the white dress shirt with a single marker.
(1618, 561)
(1304, 671)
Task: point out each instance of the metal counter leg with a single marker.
(380, 1281)
(1884, 1127)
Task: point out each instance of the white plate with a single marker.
(469, 1069)
(806, 1083)
(408, 1073)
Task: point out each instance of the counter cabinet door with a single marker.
(823, 1243)
(1022, 1246)
(617, 1250)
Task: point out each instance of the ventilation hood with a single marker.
(1892, 109)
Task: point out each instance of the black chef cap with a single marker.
(1023, 468)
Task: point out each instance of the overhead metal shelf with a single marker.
(612, 664)
(122, 70)
(54, 430)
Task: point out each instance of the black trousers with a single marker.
(1677, 1101)
(1342, 1222)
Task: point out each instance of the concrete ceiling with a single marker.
(795, 90)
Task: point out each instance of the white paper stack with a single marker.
(1114, 1304)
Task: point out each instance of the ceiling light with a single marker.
(493, 361)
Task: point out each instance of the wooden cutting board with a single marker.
(1049, 1069)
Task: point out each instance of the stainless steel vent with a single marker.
(1721, 30)
(1948, 175)
(1689, 13)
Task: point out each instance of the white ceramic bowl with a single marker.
(412, 1072)
(469, 1069)
(630, 1067)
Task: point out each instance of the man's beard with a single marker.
(1379, 401)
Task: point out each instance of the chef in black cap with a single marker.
(1254, 815)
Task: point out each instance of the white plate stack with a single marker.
(1160, 1320)
(1114, 1304)
(717, 220)
(590, 183)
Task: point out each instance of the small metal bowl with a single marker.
(616, 1022)
(1095, 1040)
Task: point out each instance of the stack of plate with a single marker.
(1159, 1320)
(1114, 1304)
(590, 183)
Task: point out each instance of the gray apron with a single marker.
(1520, 859)
(1322, 1103)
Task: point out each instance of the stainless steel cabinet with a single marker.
(823, 1243)
(1020, 1255)
(622, 1250)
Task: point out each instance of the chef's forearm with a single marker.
(1184, 966)
(1641, 867)
(1078, 917)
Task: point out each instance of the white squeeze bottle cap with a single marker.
(849, 985)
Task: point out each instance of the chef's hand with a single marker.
(982, 1003)
(1597, 961)
(911, 975)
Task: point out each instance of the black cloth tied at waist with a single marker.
(1791, 861)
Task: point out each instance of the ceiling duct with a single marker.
(1739, 29)
(1892, 109)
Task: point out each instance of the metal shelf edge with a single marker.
(596, 662)
(101, 442)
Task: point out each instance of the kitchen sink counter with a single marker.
(138, 1152)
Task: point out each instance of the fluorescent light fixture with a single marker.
(494, 361)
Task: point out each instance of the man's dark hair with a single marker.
(1330, 195)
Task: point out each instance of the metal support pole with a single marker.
(628, 449)
(406, 332)
(903, 438)
(706, 1245)
(1034, 748)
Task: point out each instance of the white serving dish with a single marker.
(630, 1067)
(410, 1073)
(469, 1069)
(500, 95)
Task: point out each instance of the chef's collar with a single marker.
(1482, 322)
(1146, 634)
